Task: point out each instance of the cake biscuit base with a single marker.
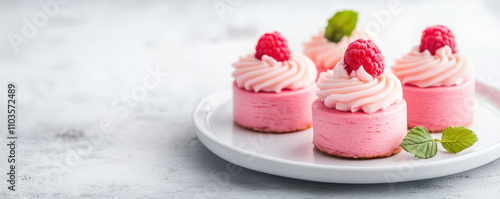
(266, 130)
(394, 152)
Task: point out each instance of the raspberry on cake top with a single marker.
(273, 68)
(359, 82)
(436, 62)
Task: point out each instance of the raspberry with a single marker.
(364, 53)
(436, 37)
(273, 45)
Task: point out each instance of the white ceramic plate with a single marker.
(292, 154)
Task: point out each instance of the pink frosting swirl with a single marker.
(425, 70)
(326, 54)
(270, 75)
(359, 90)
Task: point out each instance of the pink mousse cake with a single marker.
(325, 49)
(360, 112)
(438, 82)
(273, 89)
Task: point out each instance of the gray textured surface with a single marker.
(90, 54)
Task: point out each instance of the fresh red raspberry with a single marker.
(435, 37)
(273, 45)
(364, 53)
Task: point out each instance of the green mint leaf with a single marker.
(340, 25)
(456, 139)
(419, 143)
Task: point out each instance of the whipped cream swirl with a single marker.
(358, 90)
(269, 75)
(326, 54)
(425, 70)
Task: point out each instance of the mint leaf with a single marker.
(456, 139)
(419, 143)
(340, 25)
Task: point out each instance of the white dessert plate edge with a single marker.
(402, 168)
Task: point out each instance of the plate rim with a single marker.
(201, 131)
